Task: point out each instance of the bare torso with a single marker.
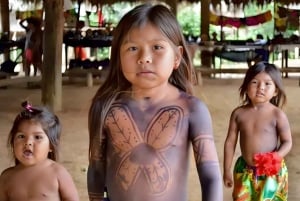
(36, 183)
(258, 132)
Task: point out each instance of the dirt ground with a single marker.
(220, 95)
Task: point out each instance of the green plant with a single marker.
(189, 19)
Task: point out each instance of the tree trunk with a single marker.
(5, 22)
(52, 47)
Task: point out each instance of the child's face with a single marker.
(148, 57)
(31, 144)
(261, 88)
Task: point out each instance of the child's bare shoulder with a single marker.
(7, 175)
(7, 172)
(279, 113)
(59, 170)
(239, 109)
(57, 167)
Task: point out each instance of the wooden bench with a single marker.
(17, 80)
(201, 71)
(209, 71)
(4, 75)
(89, 74)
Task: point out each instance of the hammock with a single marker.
(236, 56)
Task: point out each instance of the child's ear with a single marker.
(276, 92)
(178, 57)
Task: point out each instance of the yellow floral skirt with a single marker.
(250, 187)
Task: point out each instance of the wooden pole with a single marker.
(4, 8)
(52, 63)
(206, 57)
(205, 17)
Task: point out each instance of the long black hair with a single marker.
(182, 78)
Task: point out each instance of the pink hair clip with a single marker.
(27, 106)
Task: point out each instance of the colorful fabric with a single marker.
(240, 22)
(286, 18)
(30, 13)
(248, 186)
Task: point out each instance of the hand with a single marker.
(227, 178)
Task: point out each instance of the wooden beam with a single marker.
(52, 46)
(200, 71)
(207, 71)
(4, 16)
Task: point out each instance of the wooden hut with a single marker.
(53, 38)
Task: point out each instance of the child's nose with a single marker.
(28, 142)
(144, 57)
(261, 86)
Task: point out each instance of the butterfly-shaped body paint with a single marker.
(142, 154)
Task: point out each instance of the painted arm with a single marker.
(96, 170)
(208, 168)
(205, 153)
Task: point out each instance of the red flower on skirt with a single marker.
(267, 163)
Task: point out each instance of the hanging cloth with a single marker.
(240, 22)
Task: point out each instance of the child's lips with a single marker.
(259, 94)
(27, 153)
(145, 72)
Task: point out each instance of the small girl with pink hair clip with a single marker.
(36, 175)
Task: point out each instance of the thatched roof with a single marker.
(214, 2)
(258, 2)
